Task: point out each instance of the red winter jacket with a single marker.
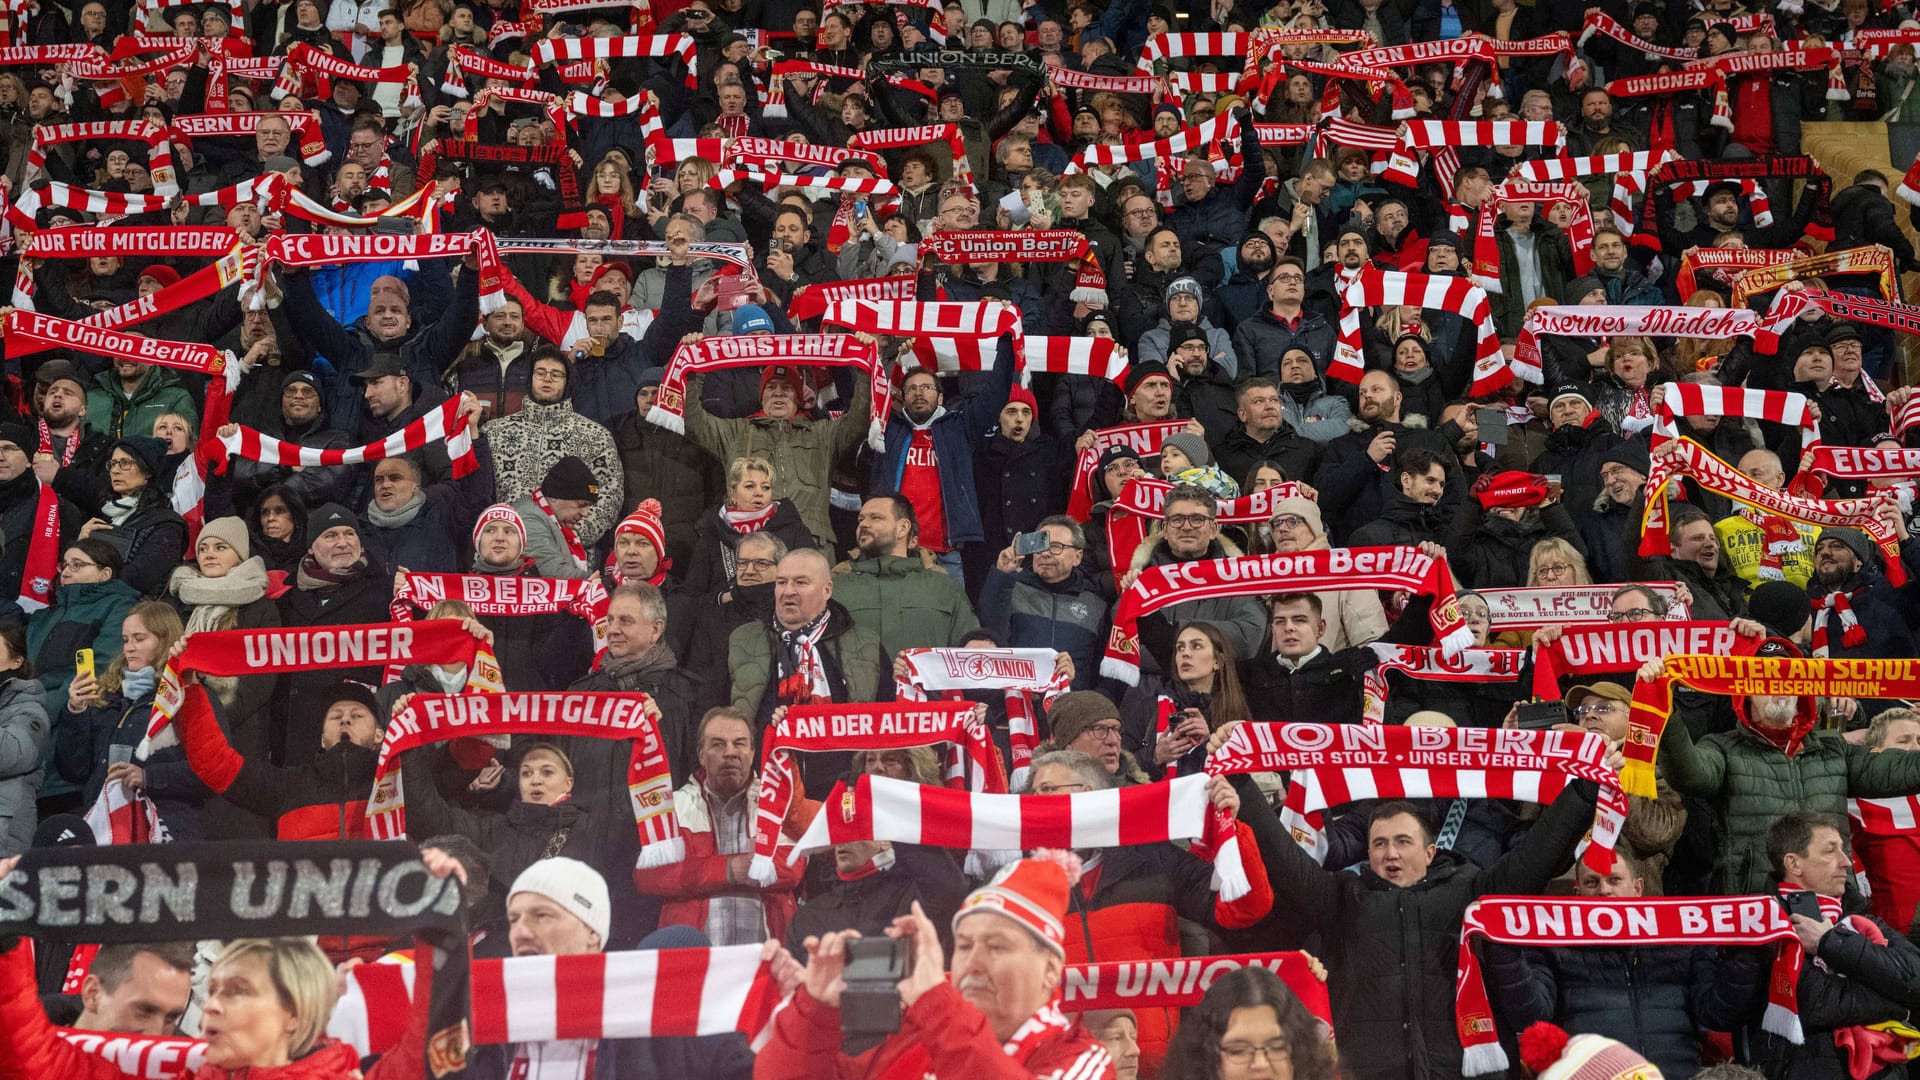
(941, 1035)
(31, 1050)
(687, 884)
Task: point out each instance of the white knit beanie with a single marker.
(573, 885)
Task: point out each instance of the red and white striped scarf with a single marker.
(1403, 167)
(574, 547)
(557, 50)
(1486, 247)
(901, 811)
(504, 594)
(896, 138)
(327, 249)
(1428, 664)
(176, 241)
(120, 816)
(626, 994)
(1616, 648)
(758, 151)
(1376, 288)
(969, 329)
(1184, 45)
(1599, 22)
(30, 331)
(1336, 764)
(442, 425)
(159, 149)
(746, 522)
(629, 717)
(1712, 474)
(1327, 570)
(1838, 602)
(1019, 673)
(973, 765)
(306, 130)
(812, 301)
(1097, 357)
(1559, 922)
(1143, 439)
(770, 350)
(1144, 500)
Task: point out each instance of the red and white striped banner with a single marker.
(632, 994)
(1183, 46)
(1559, 169)
(159, 150)
(1098, 357)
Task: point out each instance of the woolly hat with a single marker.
(1032, 892)
(1188, 287)
(1182, 332)
(330, 516)
(645, 520)
(1780, 606)
(1581, 286)
(573, 885)
(1193, 446)
(1150, 369)
(1071, 714)
(1546, 1050)
(1857, 542)
(1443, 238)
(751, 319)
(570, 478)
(1113, 454)
(146, 450)
(21, 436)
(1571, 390)
(232, 531)
(1633, 454)
(1305, 509)
(1020, 395)
(53, 371)
(1510, 489)
(165, 275)
(500, 512)
(794, 377)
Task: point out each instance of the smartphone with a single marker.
(1802, 902)
(1540, 715)
(83, 663)
(1032, 543)
(730, 291)
(1492, 424)
(860, 210)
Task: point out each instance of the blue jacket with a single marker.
(1069, 616)
(957, 432)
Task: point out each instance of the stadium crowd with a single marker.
(957, 427)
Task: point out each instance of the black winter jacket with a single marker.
(1393, 953)
(1323, 690)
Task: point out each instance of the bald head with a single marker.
(1764, 468)
(802, 585)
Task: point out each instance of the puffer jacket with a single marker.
(1310, 410)
(81, 744)
(1750, 783)
(905, 601)
(325, 799)
(23, 745)
(151, 542)
(1070, 616)
(80, 617)
(802, 449)
(1393, 953)
(1260, 341)
(1654, 998)
(852, 655)
(118, 413)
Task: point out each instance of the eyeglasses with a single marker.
(1059, 789)
(1103, 732)
(1242, 1053)
(122, 463)
(1147, 211)
(1554, 569)
(1596, 708)
(1289, 522)
(1638, 614)
(757, 564)
(79, 564)
(1188, 521)
(1061, 549)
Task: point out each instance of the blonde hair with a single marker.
(1553, 545)
(558, 755)
(301, 976)
(741, 466)
(162, 622)
(1691, 354)
(450, 609)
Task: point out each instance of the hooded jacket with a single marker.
(24, 738)
(1311, 410)
(1750, 782)
(114, 411)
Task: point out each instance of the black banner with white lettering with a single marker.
(162, 892)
